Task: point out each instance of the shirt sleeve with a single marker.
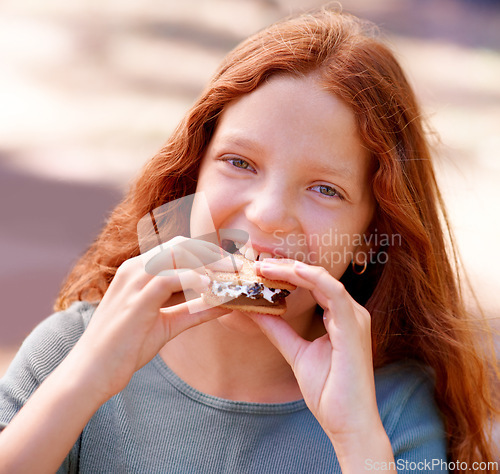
(414, 423)
(41, 352)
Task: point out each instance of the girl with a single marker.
(309, 140)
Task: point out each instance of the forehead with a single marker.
(303, 100)
(294, 114)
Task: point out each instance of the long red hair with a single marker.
(414, 298)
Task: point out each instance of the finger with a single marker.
(227, 264)
(195, 306)
(285, 269)
(181, 252)
(327, 290)
(224, 236)
(161, 288)
(166, 260)
(189, 314)
(340, 304)
(279, 261)
(281, 334)
(307, 276)
(208, 255)
(130, 276)
(281, 269)
(174, 257)
(210, 241)
(207, 252)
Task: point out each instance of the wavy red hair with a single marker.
(414, 298)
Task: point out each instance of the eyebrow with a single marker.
(241, 142)
(317, 167)
(342, 171)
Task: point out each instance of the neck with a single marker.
(231, 358)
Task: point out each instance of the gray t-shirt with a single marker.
(159, 424)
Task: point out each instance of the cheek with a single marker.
(211, 205)
(201, 219)
(329, 250)
(332, 246)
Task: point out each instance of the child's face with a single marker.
(286, 165)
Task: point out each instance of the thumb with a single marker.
(189, 314)
(281, 334)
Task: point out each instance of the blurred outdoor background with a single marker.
(89, 90)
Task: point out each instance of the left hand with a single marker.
(335, 371)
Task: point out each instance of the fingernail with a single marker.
(271, 260)
(205, 280)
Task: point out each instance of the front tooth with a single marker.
(238, 245)
(243, 249)
(251, 254)
(264, 255)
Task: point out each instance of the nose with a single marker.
(272, 208)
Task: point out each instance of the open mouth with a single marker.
(238, 248)
(244, 290)
(229, 246)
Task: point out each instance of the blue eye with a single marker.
(327, 191)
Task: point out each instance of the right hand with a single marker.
(139, 313)
(144, 308)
